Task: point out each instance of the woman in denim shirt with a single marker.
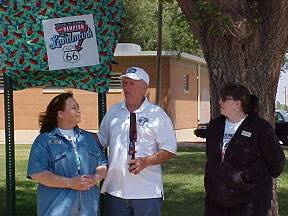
(66, 162)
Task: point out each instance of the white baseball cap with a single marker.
(136, 73)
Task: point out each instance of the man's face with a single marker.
(134, 90)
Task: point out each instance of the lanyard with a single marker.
(77, 158)
(132, 135)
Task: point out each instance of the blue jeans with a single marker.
(115, 206)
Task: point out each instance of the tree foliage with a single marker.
(140, 27)
(284, 66)
(242, 41)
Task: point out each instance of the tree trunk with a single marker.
(242, 41)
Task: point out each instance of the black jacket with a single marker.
(252, 158)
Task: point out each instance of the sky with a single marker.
(283, 82)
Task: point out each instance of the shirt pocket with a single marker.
(60, 163)
(146, 141)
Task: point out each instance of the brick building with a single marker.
(184, 92)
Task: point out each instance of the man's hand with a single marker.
(137, 165)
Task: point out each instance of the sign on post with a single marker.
(70, 42)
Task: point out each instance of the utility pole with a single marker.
(159, 52)
(285, 97)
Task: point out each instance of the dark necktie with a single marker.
(132, 135)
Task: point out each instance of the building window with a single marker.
(115, 82)
(186, 83)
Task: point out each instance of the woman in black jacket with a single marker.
(243, 155)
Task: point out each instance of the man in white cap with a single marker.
(133, 184)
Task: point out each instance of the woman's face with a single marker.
(228, 106)
(71, 115)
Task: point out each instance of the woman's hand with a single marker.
(80, 183)
(91, 180)
(50, 179)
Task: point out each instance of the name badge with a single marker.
(55, 141)
(246, 133)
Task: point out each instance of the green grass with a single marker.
(283, 189)
(25, 188)
(183, 184)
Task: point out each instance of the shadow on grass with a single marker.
(26, 198)
(283, 189)
(2, 200)
(283, 201)
(182, 202)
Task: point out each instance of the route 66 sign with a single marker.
(70, 42)
(71, 55)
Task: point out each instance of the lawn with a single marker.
(183, 184)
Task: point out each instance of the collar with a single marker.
(249, 119)
(55, 131)
(140, 109)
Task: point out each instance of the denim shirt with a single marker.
(52, 152)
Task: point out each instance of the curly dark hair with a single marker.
(238, 91)
(48, 119)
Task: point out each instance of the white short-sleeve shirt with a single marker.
(154, 132)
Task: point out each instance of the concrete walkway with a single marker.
(185, 137)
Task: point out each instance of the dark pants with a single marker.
(115, 206)
(245, 209)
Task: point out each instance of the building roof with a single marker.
(129, 49)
